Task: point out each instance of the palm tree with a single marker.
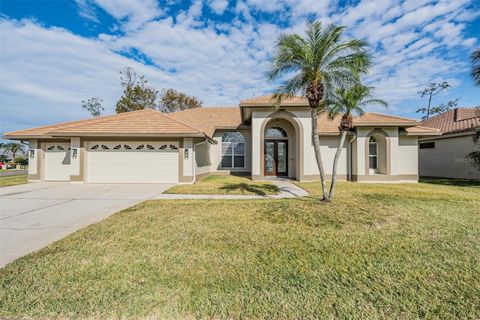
(315, 66)
(347, 102)
(476, 66)
(13, 147)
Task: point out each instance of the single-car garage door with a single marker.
(132, 162)
(56, 161)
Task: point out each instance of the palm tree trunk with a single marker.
(335, 163)
(318, 155)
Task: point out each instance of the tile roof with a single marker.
(194, 122)
(266, 100)
(455, 120)
(209, 119)
(329, 126)
(142, 122)
(372, 118)
(422, 131)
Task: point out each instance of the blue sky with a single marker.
(54, 54)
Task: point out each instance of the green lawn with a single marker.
(225, 184)
(379, 251)
(13, 180)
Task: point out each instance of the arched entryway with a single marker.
(280, 148)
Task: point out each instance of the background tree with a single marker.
(432, 90)
(348, 102)
(315, 66)
(93, 106)
(171, 101)
(13, 148)
(136, 95)
(476, 66)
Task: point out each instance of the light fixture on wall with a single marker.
(185, 154)
(31, 153)
(74, 153)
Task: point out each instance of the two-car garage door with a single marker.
(132, 162)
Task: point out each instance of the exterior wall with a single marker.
(397, 156)
(447, 159)
(328, 148)
(186, 158)
(76, 163)
(34, 163)
(407, 162)
(203, 163)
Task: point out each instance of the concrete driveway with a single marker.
(36, 214)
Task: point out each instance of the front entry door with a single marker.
(276, 158)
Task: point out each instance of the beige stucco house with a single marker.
(444, 156)
(151, 147)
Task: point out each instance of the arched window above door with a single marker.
(275, 133)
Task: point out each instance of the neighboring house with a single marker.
(444, 156)
(151, 147)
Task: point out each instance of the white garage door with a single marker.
(57, 161)
(132, 162)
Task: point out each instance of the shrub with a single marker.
(21, 161)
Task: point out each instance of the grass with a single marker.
(13, 180)
(377, 252)
(449, 181)
(226, 184)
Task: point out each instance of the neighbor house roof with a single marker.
(209, 119)
(136, 123)
(267, 101)
(455, 121)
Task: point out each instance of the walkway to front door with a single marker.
(276, 158)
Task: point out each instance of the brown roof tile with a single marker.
(194, 122)
(209, 119)
(142, 122)
(328, 126)
(455, 121)
(422, 131)
(372, 118)
(266, 100)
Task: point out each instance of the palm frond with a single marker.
(372, 102)
(476, 66)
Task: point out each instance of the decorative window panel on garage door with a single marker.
(132, 162)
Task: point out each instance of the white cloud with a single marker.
(46, 72)
(132, 13)
(192, 15)
(218, 6)
(87, 11)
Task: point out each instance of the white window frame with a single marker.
(232, 153)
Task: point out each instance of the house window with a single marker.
(427, 145)
(275, 133)
(372, 154)
(233, 150)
